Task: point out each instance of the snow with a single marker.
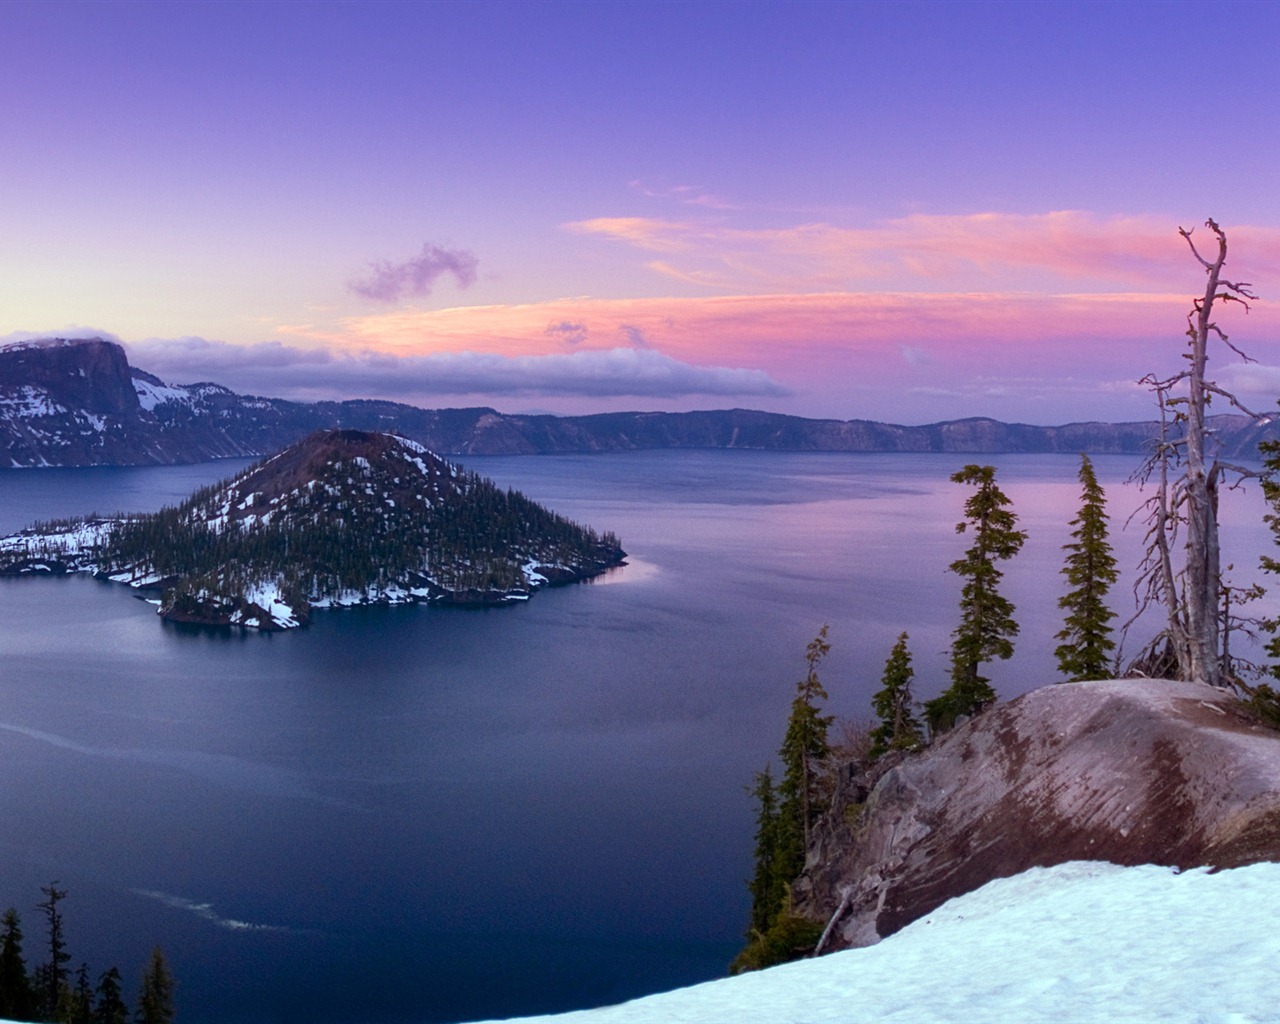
(76, 539)
(1080, 942)
(411, 445)
(266, 595)
(150, 395)
(26, 401)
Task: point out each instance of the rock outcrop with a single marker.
(79, 403)
(1136, 771)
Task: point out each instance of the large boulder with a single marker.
(1136, 771)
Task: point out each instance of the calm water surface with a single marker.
(422, 814)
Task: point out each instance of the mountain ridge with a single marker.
(80, 403)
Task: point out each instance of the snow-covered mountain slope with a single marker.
(79, 403)
(1081, 943)
(343, 517)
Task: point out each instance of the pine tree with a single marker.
(53, 975)
(987, 626)
(768, 889)
(111, 1008)
(898, 729)
(77, 1005)
(1090, 570)
(784, 816)
(804, 749)
(16, 999)
(155, 1001)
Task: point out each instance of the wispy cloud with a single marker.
(690, 195)
(634, 335)
(390, 282)
(570, 332)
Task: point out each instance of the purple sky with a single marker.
(907, 212)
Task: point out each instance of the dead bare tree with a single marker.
(1188, 476)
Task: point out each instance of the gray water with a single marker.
(421, 814)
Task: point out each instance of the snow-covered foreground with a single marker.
(1084, 941)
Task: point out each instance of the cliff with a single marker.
(1131, 771)
(79, 403)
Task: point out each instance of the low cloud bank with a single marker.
(72, 331)
(275, 368)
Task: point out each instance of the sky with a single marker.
(897, 211)
(1085, 942)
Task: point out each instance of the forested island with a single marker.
(344, 517)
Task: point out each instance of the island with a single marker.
(343, 517)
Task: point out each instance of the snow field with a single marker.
(1076, 943)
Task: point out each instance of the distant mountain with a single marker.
(343, 517)
(79, 403)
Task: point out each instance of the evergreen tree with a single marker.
(804, 749)
(155, 1001)
(52, 976)
(110, 1008)
(16, 999)
(768, 888)
(77, 1002)
(1090, 570)
(987, 626)
(898, 728)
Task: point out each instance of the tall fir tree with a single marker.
(987, 626)
(110, 1008)
(78, 1000)
(1090, 570)
(768, 888)
(1265, 699)
(16, 998)
(155, 1000)
(898, 729)
(804, 749)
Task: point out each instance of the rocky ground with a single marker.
(1136, 771)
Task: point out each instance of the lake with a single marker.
(422, 814)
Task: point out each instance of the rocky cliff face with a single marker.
(79, 403)
(1133, 772)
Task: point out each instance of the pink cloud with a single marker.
(850, 353)
(929, 251)
(756, 327)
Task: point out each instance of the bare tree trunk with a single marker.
(1202, 596)
(1193, 595)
